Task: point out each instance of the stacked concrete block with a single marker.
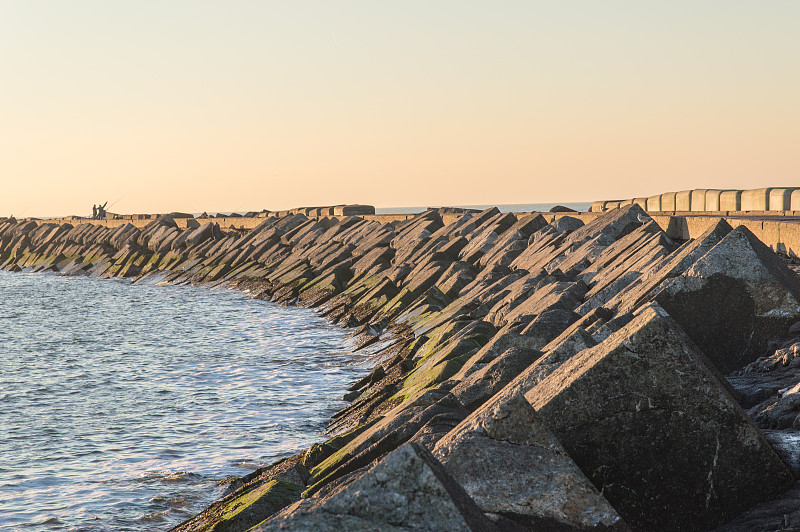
(668, 202)
(712, 200)
(780, 199)
(598, 206)
(698, 199)
(654, 204)
(777, 199)
(730, 200)
(756, 199)
(683, 200)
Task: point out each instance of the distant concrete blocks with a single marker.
(730, 200)
(683, 200)
(353, 210)
(598, 206)
(320, 212)
(777, 199)
(756, 199)
(697, 199)
(668, 202)
(780, 199)
(712, 200)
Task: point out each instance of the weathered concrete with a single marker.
(640, 413)
(455, 309)
(756, 199)
(730, 200)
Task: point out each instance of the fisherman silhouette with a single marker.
(94, 212)
(101, 211)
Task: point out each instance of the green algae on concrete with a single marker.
(244, 509)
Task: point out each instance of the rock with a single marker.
(513, 241)
(781, 412)
(733, 300)
(353, 210)
(511, 464)
(483, 383)
(567, 224)
(656, 432)
(243, 509)
(783, 513)
(406, 490)
(546, 326)
(384, 435)
(561, 208)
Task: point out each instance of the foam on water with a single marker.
(122, 406)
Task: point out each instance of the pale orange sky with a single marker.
(250, 105)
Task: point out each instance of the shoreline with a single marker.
(472, 315)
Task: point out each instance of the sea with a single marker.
(123, 406)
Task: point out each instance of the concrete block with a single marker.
(697, 225)
(795, 200)
(612, 205)
(698, 199)
(780, 199)
(668, 202)
(730, 200)
(654, 203)
(641, 202)
(353, 210)
(712, 200)
(756, 199)
(789, 235)
(626, 202)
(598, 206)
(683, 200)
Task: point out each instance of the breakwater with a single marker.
(529, 372)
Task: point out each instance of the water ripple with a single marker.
(122, 406)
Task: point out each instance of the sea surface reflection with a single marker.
(122, 406)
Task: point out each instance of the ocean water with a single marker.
(122, 406)
(580, 206)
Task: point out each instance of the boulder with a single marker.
(567, 224)
(482, 384)
(673, 265)
(511, 464)
(734, 299)
(406, 490)
(655, 431)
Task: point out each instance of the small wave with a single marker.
(156, 517)
(170, 476)
(248, 464)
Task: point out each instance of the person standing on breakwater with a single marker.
(101, 211)
(94, 212)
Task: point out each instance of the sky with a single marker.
(197, 105)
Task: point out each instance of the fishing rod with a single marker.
(115, 202)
